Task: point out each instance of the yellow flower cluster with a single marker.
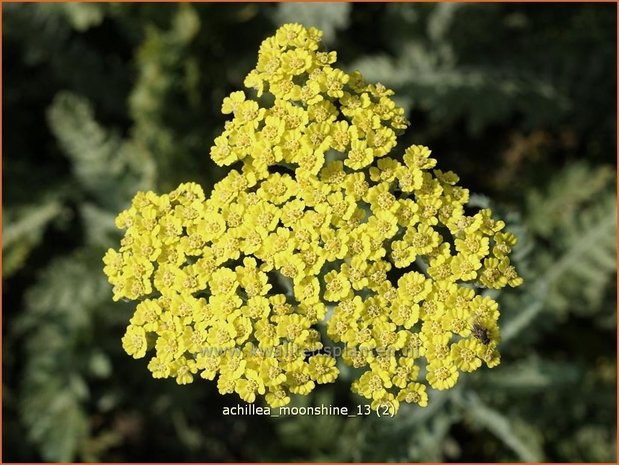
(376, 250)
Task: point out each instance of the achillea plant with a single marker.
(376, 250)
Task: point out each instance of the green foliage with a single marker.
(107, 168)
(449, 66)
(527, 449)
(109, 99)
(437, 79)
(83, 16)
(166, 74)
(23, 230)
(62, 355)
(54, 388)
(554, 209)
(572, 273)
(578, 279)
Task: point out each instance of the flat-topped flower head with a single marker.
(319, 223)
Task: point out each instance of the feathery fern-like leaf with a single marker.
(23, 230)
(502, 427)
(578, 278)
(105, 166)
(554, 208)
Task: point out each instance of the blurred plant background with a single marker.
(103, 100)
